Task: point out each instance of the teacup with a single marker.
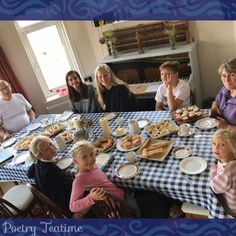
(130, 156)
(185, 129)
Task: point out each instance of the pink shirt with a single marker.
(93, 178)
(223, 181)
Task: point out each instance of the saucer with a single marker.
(191, 132)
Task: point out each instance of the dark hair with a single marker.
(74, 95)
(172, 65)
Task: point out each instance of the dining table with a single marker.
(163, 177)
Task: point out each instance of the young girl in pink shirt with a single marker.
(89, 176)
(223, 174)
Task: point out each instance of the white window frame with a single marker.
(23, 31)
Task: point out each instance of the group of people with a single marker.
(112, 94)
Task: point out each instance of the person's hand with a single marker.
(213, 168)
(167, 82)
(213, 109)
(221, 123)
(6, 136)
(97, 194)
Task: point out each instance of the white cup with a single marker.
(185, 129)
(130, 156)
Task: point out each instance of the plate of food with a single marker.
(104, 143)
(130, 143)
(161, 129)
(142, 122)
(155, 149)
(187, 114)
(110, 115)
(127, 171)
(205, 123)
(24, 143)
(67, 136)
(181, 152)
(193, 165)
(53, 129)
(119, 132)
(64, 163)
(9, 142)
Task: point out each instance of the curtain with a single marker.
(7, 74)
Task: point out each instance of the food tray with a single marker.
(53, 129)
(24, 143)
(161, 129)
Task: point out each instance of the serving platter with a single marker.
(67, 136)
(53, 129)
(24, 143)
(156, 149)
(131, 140)
(161, 129)
(193, 165)
(127, 171)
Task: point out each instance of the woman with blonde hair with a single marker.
(48, 176)
(113, 93)
(222, 174)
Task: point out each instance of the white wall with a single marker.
(217, 41)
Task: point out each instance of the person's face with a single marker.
(104, 78)
(5, 91)
(85, 159)
(229, 79)
(221, 150)
(167, 75)
(47, 150)
(73, 81)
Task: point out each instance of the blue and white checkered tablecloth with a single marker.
(153, 175)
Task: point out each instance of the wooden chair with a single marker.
(17, 202)
(112, 207)
(49, 208)
(194, 212)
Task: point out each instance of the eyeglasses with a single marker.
(5, 89)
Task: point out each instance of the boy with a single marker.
(173, 93)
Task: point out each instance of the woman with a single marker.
(82, 97)
(113, 94)
(224, 107)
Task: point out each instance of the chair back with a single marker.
(50, 209)
(112, 207)
(8, 210)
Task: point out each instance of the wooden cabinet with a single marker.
(142, 69)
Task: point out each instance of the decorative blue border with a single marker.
(126, 227)
(118, 9)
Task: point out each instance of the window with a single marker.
(49, 51)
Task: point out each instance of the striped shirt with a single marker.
(223, 181)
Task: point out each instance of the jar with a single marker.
(133, 127)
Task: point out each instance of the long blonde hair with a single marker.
(34, 146)
(114, 82)
(79, 145)
(228, 136)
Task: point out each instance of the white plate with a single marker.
(205, 123)
(34, 126)
(110, 115)
(127, 171)
(128, 150)
(181, 152)
(20, 158)
(64, 162)
(9, 142)
(65, 116)
(193, 165)
(124, 133)
(24, 134)
(191, 132)
(142, 123)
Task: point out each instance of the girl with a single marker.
(223, 176)
(113, 93)
(89, 176)
(82, 97)
(48, 176)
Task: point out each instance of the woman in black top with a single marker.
(113, 94)
(48, 176)
(82, 97)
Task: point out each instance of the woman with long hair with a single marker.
(82, 97)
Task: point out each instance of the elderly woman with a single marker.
(113, 94)
(224, 106)
(15, 111)
(82, 97)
